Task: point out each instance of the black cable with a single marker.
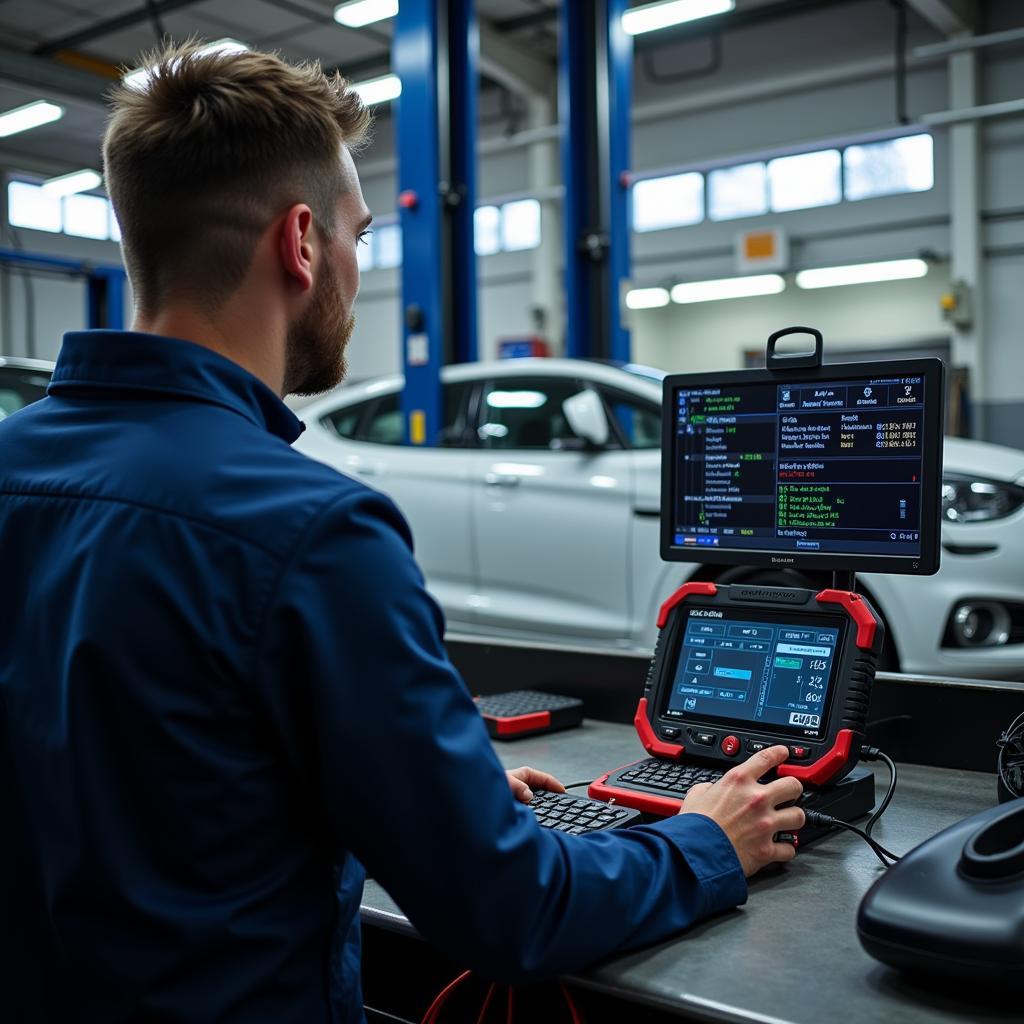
(28, 281)
(576, 785)
(874, 754)
(827, 821)
(901, 61)
(157, 22)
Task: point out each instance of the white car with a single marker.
(536, 516)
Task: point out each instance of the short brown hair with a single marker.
(201, 158)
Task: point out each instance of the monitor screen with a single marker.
(835, 467)
(755, 670)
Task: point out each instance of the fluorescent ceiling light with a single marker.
(728, 288)
(651, 17)
(861, 273)
(137, 79)
(378, 90)
(69, 184)
(32, 115)
(646, 298)
(357, 13)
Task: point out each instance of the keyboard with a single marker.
(520, 713)
(669, 777)
(575, 815)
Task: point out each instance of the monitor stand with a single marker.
(844, 581)
(850, 798)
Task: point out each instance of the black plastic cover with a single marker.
(954, 906)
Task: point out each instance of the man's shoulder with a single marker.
(275, 493)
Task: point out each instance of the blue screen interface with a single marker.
(774, 676)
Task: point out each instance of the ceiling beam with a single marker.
(111, 25)
(950, 17)
(48, 77)
(510, 65)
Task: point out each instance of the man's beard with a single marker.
(316, 342)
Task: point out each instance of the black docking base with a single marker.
(850, 798)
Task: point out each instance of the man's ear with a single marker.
(297, 245)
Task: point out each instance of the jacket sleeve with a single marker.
(403, 769)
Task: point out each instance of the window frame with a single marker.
(610, 393)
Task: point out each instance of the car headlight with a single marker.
(970, 499)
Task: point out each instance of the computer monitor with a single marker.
(827, 467)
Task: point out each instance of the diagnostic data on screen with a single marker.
(757, 674)
(831, 468)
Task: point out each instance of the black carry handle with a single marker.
(787, 361)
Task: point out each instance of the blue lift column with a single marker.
(105, 298)
(594, 99)
(435, 52)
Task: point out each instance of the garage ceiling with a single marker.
(71, 50)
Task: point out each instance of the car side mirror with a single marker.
(585, 415)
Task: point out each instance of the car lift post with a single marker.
(594, 96)
(435, 52)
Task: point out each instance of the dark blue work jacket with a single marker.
(223, 689)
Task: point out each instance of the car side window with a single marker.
(379, 421)
(637, 421)
(10, 401)
(345, 421)
(383, 424)
(20, 388)
(526, 412)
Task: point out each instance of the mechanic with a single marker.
(223, 686)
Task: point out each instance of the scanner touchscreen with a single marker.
(771, 672)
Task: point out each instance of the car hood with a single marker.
(977, 458)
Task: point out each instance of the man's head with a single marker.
(217, 157)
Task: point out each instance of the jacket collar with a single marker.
(130, 361)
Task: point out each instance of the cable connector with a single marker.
(868, 753)
(819, 820)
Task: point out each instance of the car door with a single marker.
(430, 485)
(552, 517)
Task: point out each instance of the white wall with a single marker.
(715, 335)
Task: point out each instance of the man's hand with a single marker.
(521, 779)
(748, 812)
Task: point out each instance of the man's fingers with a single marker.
(763, 761)
(782, 852)
(538, 780)
(520, 790)
(790, 819)
(784, 791)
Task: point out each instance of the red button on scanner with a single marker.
(730, 746)
(798, 753)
